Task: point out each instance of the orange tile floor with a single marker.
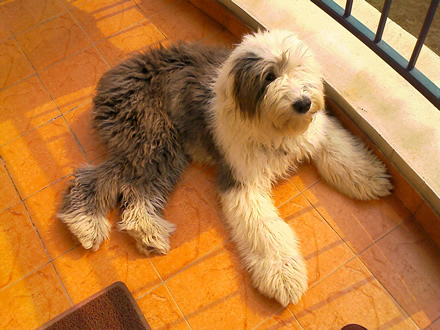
(369, 263)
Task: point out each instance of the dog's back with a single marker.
(171, 87)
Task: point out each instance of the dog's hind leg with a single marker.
(91, 194)
(346, 164)
(149, 178)
(267, 245)
(141, 208)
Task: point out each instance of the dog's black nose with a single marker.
(302, 105)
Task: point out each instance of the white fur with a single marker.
(140, 221)
(260, 150)
(90, 231)
(268, 246)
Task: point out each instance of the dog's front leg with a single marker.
(267, 245)
(346, 164)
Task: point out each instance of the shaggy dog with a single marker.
(255, 112)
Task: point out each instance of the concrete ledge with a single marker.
(395, 116)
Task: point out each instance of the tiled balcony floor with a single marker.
(369, 263)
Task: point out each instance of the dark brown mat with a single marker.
(112, 308)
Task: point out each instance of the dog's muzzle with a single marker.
(302, 105)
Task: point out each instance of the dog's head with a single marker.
(273, 77)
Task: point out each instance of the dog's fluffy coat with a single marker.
(255, 112)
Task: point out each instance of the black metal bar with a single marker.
(348, 7)
(383, 20)
(423, 33)
(425, 86)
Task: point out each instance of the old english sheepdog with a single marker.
(255, 112)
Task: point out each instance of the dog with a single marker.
(255, 112)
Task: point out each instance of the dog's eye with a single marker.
(270, 77)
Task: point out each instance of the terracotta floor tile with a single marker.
(70, 4)
(33, 301)
(161, 311)
(151, 7)
(434, 326)
(14, 66)
(21, 251)
(283, 191)
(350, 295)
(321, 247)
(359, 223)
(8, 194)
(5, 34)
(206, 181)
(24, 107)
(221, 15)
(76, 85)
(42, 208)
(136, 38)
(80, 120)
(45, 126)
(103, 18)
(199, 229)
(42, 156)
(429, 221)
(407, 263)
(282, 320)
(195, 168)
(85, 272)
(403, 190)
(216, 292)
(53, 41)
(305, 177)
(223, 37)
(21, 15)
(173, 22)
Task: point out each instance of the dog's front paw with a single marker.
(282, 278)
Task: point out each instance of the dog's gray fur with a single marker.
(145, 112)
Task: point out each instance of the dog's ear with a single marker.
(247, 87)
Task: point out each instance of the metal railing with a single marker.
(374, 40)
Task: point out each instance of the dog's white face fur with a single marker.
(268, 75)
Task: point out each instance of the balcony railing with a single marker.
(407, 68)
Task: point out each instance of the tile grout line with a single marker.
(384, 288)
(11, 34)
(90, 40)
(77, 141)
(270, 317)
(50, 95)
(11, 206)
(199, 187)
(24, 276)
(31, 130)
(62, 284)
(41, 23)
(94, 44)
(12, 180)
(192, 263)
(47, 186)
(180, 310)
(163, 9)
(36, 230)
(357, 256)
(22, 201)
